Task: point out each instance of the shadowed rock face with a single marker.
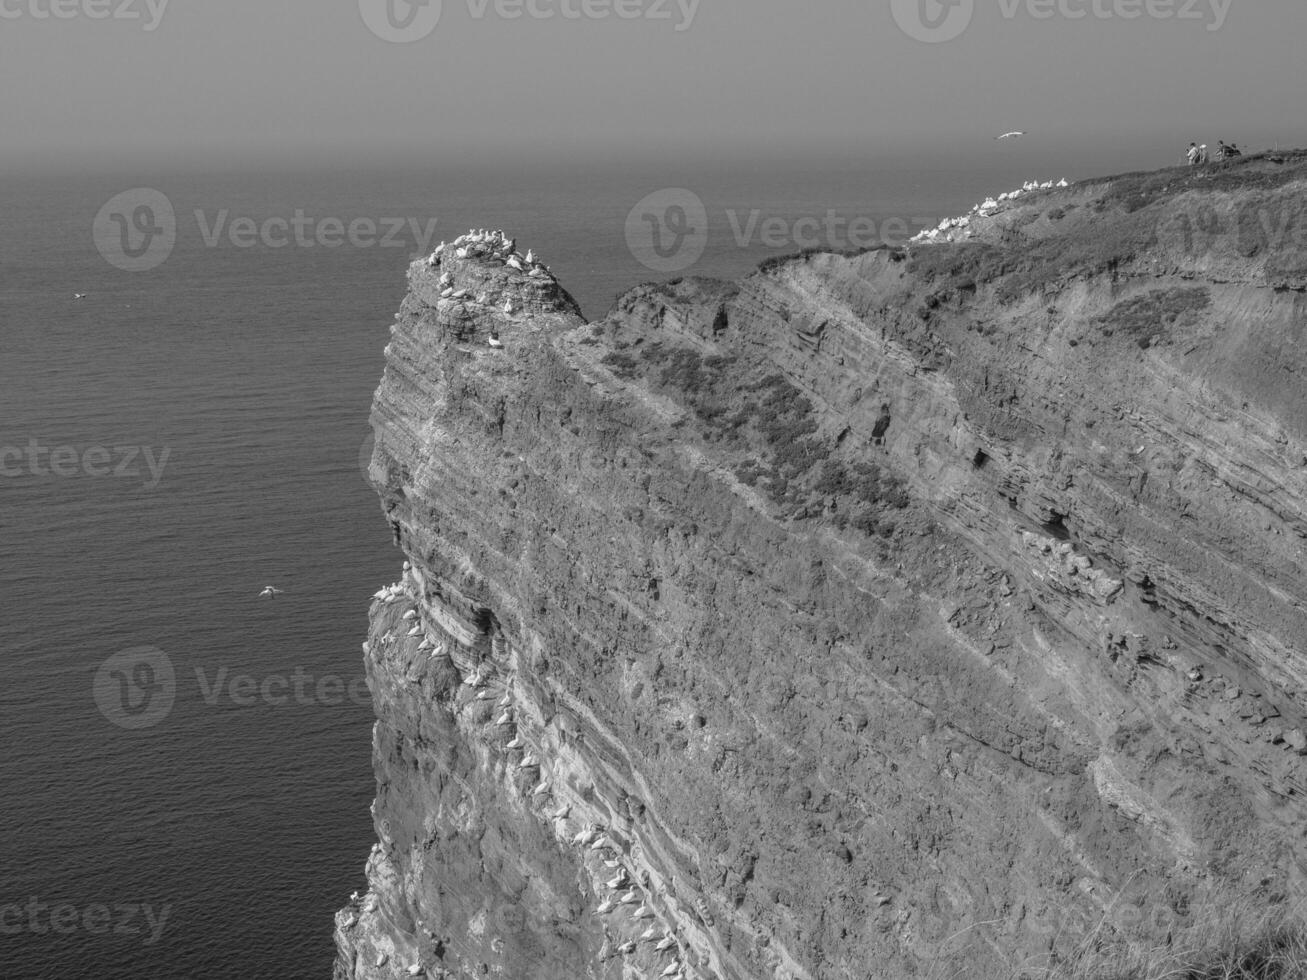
(874, 615)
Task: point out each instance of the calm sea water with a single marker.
(240, 823)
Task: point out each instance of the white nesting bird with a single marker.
(667, 942)
(644, 912)
(671, 968)
(626, 947)
(411, 614)
(531, 257)
(516, 743)
(544, 787)
(504, 720)
(617, 881)
(415, 630)
(515, 263)
(495, 342)
(606, 906)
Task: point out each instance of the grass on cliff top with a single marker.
(1260, 171)
(775, 262)
(1131, 210)
(1241, 948)
(1233, 943)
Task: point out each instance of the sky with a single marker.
(100, 85)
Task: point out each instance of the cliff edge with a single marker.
(876, 615)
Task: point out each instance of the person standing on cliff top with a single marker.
(1192, 156)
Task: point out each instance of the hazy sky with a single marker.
(170, 83)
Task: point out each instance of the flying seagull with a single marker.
(1015, 134)
(270, 593)
(79, 296)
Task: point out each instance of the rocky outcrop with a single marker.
(877, 614)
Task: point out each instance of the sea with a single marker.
(186, 773)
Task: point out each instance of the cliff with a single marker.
(880, 614)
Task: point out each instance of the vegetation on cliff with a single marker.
(774, 427)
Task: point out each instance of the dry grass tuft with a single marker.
(1237, 942)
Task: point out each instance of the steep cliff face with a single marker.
(876, 614)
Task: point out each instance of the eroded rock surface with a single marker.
(876, 614)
